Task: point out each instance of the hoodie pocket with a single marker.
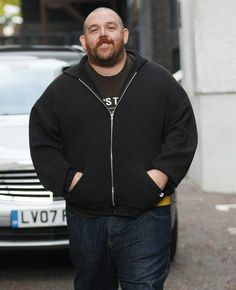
(134, 187)
(93, 190)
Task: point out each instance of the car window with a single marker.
(23, 80)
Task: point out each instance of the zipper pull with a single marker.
(112, 115)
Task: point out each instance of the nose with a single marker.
(103, 31)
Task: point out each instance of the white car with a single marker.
(30, 216)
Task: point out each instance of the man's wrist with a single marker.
(159, 177)
(75, 180)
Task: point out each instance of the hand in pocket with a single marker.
(75, 180)
(159, 177)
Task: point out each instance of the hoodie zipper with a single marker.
(112, 124)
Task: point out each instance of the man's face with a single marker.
(104, 38)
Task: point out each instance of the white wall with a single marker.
(208, 59)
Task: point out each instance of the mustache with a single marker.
(104, 39)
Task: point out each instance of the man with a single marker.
(114, 135)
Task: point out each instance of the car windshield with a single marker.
(23, 80)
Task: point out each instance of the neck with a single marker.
(109, 71)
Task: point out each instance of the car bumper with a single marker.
(31, 237)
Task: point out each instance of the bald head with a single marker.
(99, 12)
(104, 38)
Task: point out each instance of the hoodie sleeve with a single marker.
(46, 144)
(179, 137)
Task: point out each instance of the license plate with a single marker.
(38, 218)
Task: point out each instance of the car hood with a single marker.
(14, 142)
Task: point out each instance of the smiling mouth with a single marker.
(104, 45)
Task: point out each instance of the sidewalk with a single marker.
(206, 253)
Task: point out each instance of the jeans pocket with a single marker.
(161, 212)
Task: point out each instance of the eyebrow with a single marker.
(107, 23)
(112, 22)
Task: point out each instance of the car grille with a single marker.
(22, 185)
(34, 234)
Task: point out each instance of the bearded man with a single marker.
(114, 135)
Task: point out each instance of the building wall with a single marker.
(208, 60)
(60, 20)
(145, 30)
(155, 32)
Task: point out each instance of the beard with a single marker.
(107, 57)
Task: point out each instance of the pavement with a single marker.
(206, 253)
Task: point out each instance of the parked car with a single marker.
(30, 216)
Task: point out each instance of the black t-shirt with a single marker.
(110, 87)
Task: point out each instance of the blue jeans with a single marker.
(134, 251)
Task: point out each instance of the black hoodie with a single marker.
(153, 126)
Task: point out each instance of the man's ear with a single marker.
(126, 35)
(82, 41)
